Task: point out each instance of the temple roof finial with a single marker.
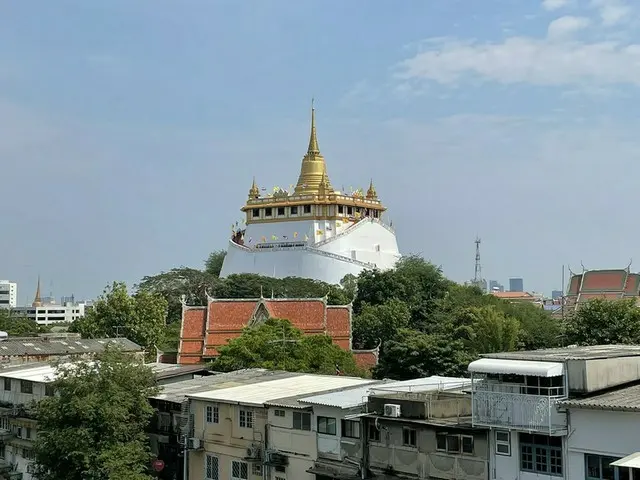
(254, 192)
(371, 193)
(313, 138)
(37, 301)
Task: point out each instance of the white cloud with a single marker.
(612, 12)
(555, 4)
(525, 60)
(566, 26)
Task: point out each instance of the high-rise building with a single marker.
(516, 285)
(311, 230)
(495, 286)
(8, 294)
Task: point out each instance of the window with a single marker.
(351, 428)
(211, 468)
(503, 443)
(26, 386)
(28, 454)
(49, 390)
(255, 212)
(7, 384)
(340, 209)
(327, 425)
(374, 433)
(307, 209)
(279, 413)
(541, 454)
(280, 211)
(239, 470)
(294, 210)
(409, 437)
(212, 414)
(451, 443)
(27, 434)
(301, 421)
(279, 468)
(280, 478)
(467, 444)
(598, 467)
(547, 386)
(246, 418)
(349, 210)
(267, 212)
(256, 469)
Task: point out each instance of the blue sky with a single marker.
(130, 131)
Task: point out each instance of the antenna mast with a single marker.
(477, 277)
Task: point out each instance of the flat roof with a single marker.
(177, 392)
(593, 352)
(517, 367)
(343, 398)
(421, 385)
(271, 390)
(626, 399)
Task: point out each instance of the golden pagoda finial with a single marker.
(371, 193)
(254, 192)
(37, 301)
(313, 173)
(313, 138)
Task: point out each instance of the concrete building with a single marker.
(230, 432)
(311, 230)
(522, 396)
(495, 286)
(422, 429)
(516, 285)
(8, 294)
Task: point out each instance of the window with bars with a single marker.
(212, 414)
(541, 454)
(246, 418)
(239, 470)
(26, 386)
(211, 468)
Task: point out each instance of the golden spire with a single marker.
(254, 192)
(37, 301)
(313, 173)
(371, 193)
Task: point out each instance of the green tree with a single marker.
(19, 325)
(140, 317)
(277, 345)
(213, 264)
(379, 323)
(413, 354)
(94, 427)
(602, 322)
(488, 330)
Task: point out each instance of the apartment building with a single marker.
(230, 432)
(422, 429)
(8, 294)
(523, 398)
(53, 313)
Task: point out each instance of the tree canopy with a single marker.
(140, 317)
(601, 322)
(19, 325)
(277, 345)
(94, 427)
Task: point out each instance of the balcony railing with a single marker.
(536, 413)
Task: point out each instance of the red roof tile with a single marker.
(366, 359)
(303, 314)
(604, 280)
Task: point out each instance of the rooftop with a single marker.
(177, 392)
(274, 389)
(342, 398)
(623, 399)
(570, 353)
(169, 370)
(41, 346)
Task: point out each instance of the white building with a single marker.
(47, 312)
(314, 231)
(522, 396)
(8, 294)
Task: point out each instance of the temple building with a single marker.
(313, 231)
(205, 328)
(613, 284)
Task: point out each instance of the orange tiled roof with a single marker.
(204, 329)
(513, 295)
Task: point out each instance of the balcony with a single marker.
(503, 409)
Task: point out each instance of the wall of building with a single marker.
(8, 294)
(299, 445)
(53, 314)
(225, 440)
(601, 432)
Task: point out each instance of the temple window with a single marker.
(307, 209)
(256, 212)
(294, 210)
(349, 210)
(376, 213)
(340, 209)
(281, 211)
(267, 212)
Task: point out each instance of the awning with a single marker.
(630, 461)
(517, 367)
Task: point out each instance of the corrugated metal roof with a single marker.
(570, 353)
(624, 399)
(177, 392)
(517, 367)
(426, 384)
(274, 389)
(39, 346)
(345, 398)
(168, 370)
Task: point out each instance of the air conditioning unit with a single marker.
(194, 443)
(253, 452)
(392, 410)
